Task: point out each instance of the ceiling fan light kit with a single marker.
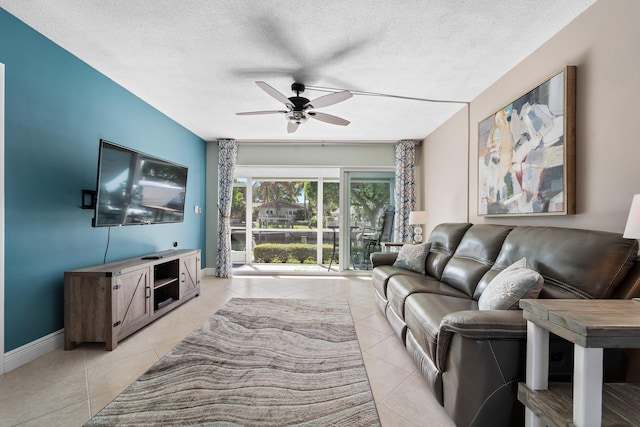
(299, 108)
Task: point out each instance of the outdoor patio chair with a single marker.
(384, 233)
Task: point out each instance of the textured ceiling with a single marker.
(197, 60)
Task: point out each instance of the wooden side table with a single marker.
(591, 325)
(386, 246)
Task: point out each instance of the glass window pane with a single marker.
(283, 216)
(370, 196)
(238, 225)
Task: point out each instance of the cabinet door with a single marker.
(132, 298)
(189, 275)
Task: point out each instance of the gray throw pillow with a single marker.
(509, 286)
(413, 257)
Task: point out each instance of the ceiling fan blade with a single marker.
(328, 118)
(330, 99)
(274, 93)
(291, 127)
(254, 113)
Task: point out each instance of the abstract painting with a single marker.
(526, 152)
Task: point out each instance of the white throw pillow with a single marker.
(413, 257)
(510, 285)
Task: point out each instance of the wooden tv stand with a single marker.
(108, 302)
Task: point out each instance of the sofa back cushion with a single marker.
(444, 240)
(474, 256)
(574, 263)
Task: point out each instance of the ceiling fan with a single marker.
(299, 108)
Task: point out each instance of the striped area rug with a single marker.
(256, 362)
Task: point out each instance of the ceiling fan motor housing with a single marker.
(297, 114)
(297, 117)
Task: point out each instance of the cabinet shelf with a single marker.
(162, 304)
(164, 282)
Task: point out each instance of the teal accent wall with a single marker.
(57, 109)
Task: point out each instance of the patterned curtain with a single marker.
(228, 150)
(405, 189)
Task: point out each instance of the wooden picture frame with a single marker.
(526, 152)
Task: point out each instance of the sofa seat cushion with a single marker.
(424, 312)
(381, 275)
(400, 286)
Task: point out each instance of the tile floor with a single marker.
(65, 388)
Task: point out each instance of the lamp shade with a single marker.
(632, 229)
(417, 217)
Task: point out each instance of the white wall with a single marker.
(603, 44)
(446, 172)
(316, 154)
(2, 361)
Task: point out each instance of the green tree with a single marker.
(372, 197)
(238, 203)
(276, 192)
(331, 196)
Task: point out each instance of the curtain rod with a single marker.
(418, 142)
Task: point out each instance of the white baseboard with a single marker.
(28, 352)
(209, 271)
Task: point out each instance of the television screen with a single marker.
(135, 188)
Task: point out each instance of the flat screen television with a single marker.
(135, 188)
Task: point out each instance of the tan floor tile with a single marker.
(389, 418)
(99, 401)
(74, 415)
(383, 376)
(318, 292)
(35, 371)
(52, 392)
(120, 373)
(367, 302)
(358, 313)
(96, 353)
(368, 337)
(378, 322)
(49, 383)
(415, 402)
(255, 292)
(393, 351)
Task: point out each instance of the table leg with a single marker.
(333, 251)
(537, 366)
(587, 386)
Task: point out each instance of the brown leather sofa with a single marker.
(474, 359)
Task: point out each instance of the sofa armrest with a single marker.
(482, 355)
(479, 325)
(383, 258)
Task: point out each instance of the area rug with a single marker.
(256, 362)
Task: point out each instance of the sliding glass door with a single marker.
(330, 222)
(239, 221)
(368, 206)
(287, 224)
